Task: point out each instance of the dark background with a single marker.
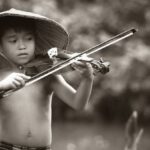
(115, 95)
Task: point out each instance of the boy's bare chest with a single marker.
(34, 96)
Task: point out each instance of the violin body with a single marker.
(42, 62)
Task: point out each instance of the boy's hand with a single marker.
(85, 69)
(14, 81)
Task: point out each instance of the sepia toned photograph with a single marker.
(74, 74)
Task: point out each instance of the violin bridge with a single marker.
(53, 52)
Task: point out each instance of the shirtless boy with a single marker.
(25, 115)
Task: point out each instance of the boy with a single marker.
(25, 115)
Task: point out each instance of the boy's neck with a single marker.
(18, 68)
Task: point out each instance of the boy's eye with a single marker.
(12, 40)
(29, 38)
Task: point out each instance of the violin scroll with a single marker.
(100, 66)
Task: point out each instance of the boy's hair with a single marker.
(17, 24)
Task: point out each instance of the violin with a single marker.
(53, 57)
(47, 61)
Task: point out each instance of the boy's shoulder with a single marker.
(5, 66)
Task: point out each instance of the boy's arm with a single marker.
(75, 98)
(13, 81)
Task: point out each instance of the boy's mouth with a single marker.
(23, 54)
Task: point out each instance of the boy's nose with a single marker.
(21, 45)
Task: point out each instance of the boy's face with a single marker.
(18, 46)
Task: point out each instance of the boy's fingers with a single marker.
(79, 64)
(75, 66)
(23, 76)
(17, 84)
(20, 80)
(89, 66)
(83, 66)
(14, 84)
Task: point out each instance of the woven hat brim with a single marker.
(49, 33)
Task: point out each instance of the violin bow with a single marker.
(61, 65)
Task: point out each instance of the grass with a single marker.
(92, 136)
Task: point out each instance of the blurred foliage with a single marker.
(127, 86)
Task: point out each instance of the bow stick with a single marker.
(69, 61)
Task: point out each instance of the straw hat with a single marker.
(48, 32)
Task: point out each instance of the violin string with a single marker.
(69, 61)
